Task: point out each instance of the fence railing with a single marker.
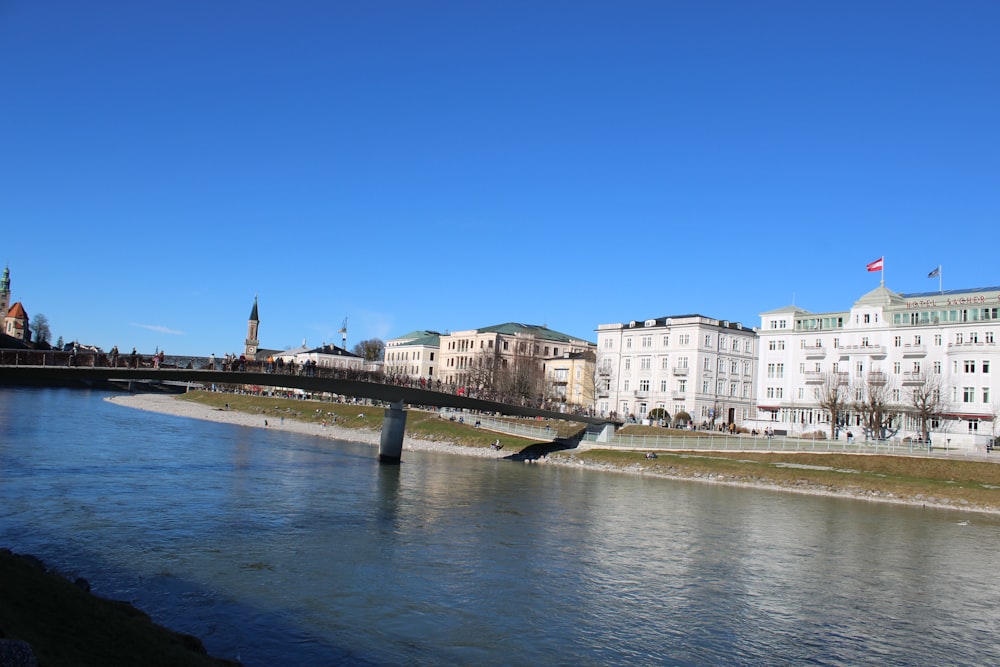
(502, 425)
(761, 443)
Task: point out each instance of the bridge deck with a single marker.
(390, 393)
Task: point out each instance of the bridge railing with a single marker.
(749, 443)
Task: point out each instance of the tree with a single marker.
(926, 402)
(370, 349)
(833, 399)
(872, 402)
(40, 326)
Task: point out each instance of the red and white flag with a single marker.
(876, 265)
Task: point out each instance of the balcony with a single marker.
(876, 378)
(915, 350)
(814, 377)
(816, 352)
(639, 393)
(679, 395)
(870, 350)
(912, 378)
(680, 370)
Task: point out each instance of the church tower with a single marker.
(5, 293)
(251, 343)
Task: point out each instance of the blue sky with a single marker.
(451, 165)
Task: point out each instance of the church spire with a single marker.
(251, 344)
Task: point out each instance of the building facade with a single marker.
(569, 380)
(939, 347)
(477, 357)
(414, 355)
(682, 365)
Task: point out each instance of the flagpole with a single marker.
(940, 280)
(882, 269)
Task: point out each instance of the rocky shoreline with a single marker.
(179, 407)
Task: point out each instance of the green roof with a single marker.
(515, 328)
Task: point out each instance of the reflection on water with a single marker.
(283, 549)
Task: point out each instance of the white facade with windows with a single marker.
(899, 341)
(685, 364)
(414, 355)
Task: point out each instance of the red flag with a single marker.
(876, 265)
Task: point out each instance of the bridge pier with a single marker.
(390, 448)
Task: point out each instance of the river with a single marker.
(278, 549)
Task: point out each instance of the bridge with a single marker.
(397, 396)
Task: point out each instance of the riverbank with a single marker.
(45, 619)
(954, 485)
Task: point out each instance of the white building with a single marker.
(684, 364)
(413, 355)
(902, 342)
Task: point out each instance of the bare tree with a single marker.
(926, 401)
(834, 398)
(520, 375)
(872, 402)
(40, 326)
(370, 349)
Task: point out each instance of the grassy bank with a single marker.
(421, 424)
(67, 626)
(929, 481)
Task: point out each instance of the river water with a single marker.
(279, 549)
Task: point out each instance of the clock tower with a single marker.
(251, 344)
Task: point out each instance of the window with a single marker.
(986, 366)
(704, 386)
(864, 341)
(647, 341)
(732, 388)
(973, 337)
(663, 385)
(643, 385)
(896, 367)
(608, 343)
(986, 394)
(684, 339)
(937, 339)
(628, 363)
(682, 362)
(734, 367)
(665, 363)
(937, 368)
(707, 365)
(770, 370)
(989, 336)
(802, 393)
(644, 363)
(860, 368)
(916, 368)
(781, 371)
(666, 341)
(625, 385)
(958, 339)
(916, 340)
(968, 394)
(682, 386)
(708, 340)
(628, 343)
(970, 366)
(897, 341)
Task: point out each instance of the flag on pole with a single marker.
(935, 273)
(876, 265)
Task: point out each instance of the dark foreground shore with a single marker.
(47, 620)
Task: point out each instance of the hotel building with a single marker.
(904, 343)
